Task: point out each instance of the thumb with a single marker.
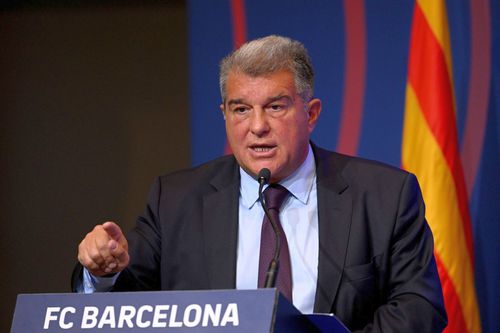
(120, 253)
(113, 230)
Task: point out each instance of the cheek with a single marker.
(235, 132)
(294, 132)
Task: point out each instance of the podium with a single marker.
(261, 310)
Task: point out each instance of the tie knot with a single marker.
(275, 195)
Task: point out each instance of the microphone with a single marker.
(263, 178)
(272, 271)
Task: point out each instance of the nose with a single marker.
(259, 124)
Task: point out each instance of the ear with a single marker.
(313, 111)
(223, 109)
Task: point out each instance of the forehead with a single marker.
(243, 86)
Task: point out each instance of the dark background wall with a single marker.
(93, 106)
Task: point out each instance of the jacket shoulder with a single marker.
(219, 172)
(357, 171)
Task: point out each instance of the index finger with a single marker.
(113, 230)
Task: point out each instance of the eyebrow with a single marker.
(277, 98)
(235, 101)
(269, 100)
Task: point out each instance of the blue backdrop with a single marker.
(360, 49)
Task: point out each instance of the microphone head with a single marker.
(264, 176)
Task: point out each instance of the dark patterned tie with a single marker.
(274, 196)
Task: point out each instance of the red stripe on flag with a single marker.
(429, 77)
(452, 302)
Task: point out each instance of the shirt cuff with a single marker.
(93, 283)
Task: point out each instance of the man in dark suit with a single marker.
(356, 235)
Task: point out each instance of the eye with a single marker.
(240, 109)
(276, 107)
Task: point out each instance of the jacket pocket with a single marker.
(363, 277)
(359, 272)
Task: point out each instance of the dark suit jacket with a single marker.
(376, 265)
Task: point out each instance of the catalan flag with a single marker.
(430, 150)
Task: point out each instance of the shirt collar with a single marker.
(298, 183)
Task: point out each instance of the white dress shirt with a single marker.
(299, 218)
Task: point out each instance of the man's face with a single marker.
(267, 123)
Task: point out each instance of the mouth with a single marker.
(262, 149)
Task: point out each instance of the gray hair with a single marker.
(267, 55)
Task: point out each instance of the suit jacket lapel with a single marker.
(335, 210)
(220, 227)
